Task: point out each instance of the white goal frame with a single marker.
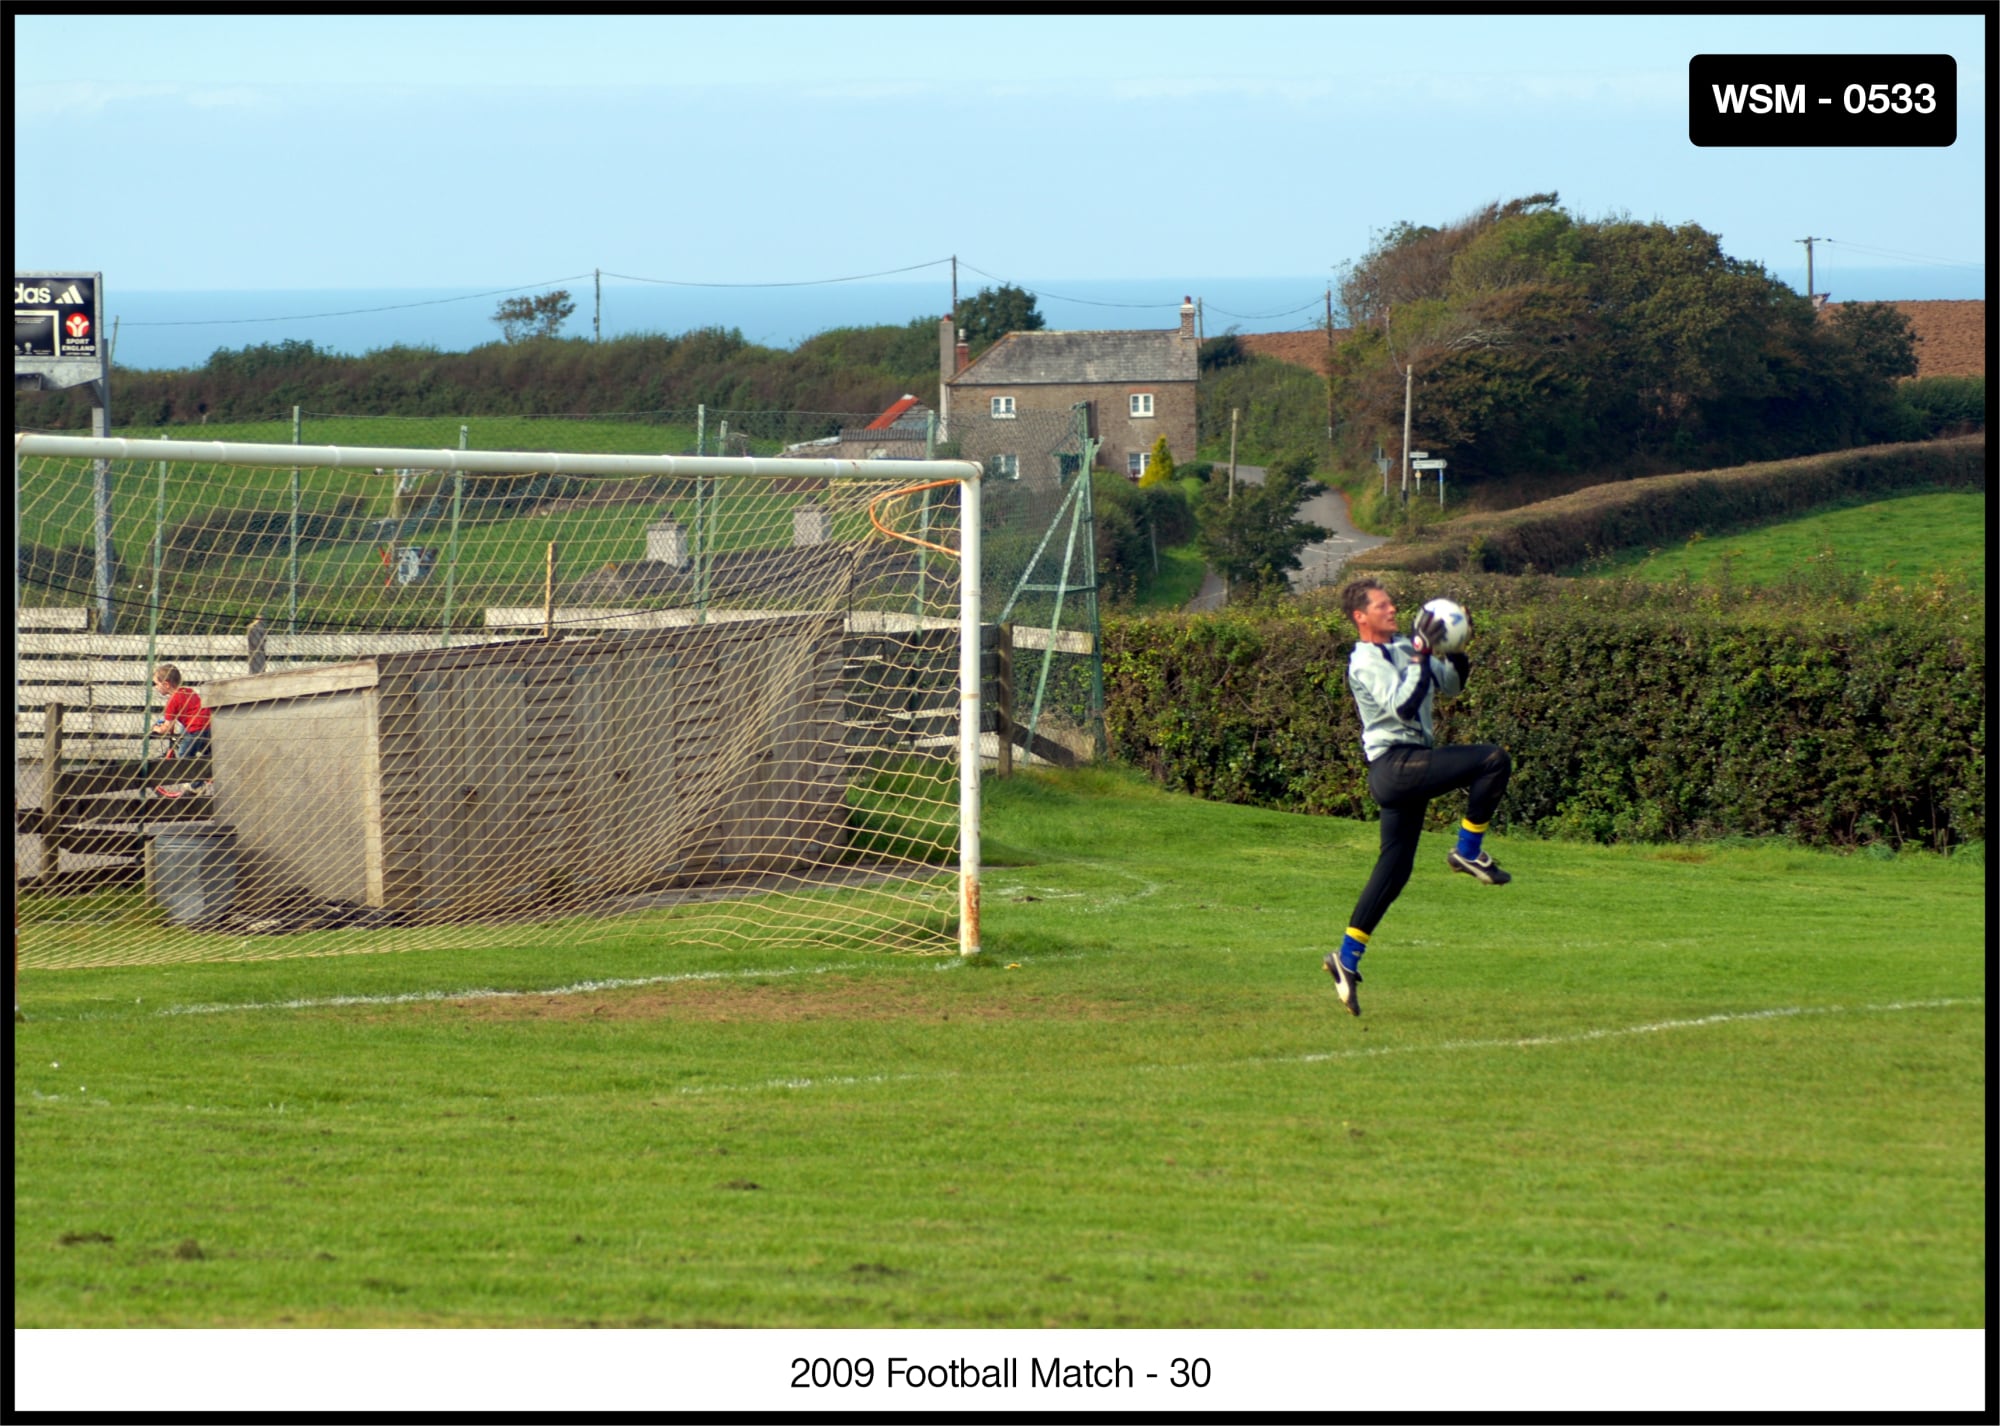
(909, 472)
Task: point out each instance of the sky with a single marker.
(385, 151)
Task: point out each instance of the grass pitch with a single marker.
(1718, 1086)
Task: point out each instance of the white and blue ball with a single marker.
(1457, 627)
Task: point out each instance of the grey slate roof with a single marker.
(1076, 358)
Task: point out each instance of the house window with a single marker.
(1004, 467)
(1142, 404)
(1003, 408)
(1136, 463)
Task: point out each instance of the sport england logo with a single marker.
(77, 325)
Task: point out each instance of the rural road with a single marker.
(1319, 564)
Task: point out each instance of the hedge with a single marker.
(1564, 532)
(1627, 719)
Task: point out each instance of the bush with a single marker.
(851, 371)
(1132, 522)
(1947, 404)
(1280, 408)
(1654, 715)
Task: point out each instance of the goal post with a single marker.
(453, 693)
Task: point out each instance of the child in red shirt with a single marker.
(183, 707)
(183, 712)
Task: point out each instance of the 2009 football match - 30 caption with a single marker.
(1003, 1373)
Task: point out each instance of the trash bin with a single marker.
(194, 874)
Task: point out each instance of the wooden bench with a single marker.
(98, 814)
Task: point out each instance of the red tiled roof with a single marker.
(888, 418)
(1307, 349)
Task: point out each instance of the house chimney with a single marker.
(1187, 319)
(964, 351)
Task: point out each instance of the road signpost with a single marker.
(1420, 463)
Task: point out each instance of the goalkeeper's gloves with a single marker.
(1429, 629)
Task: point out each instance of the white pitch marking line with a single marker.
(806, 1082)
(1584, 1036)
(1530, 1042)
(582, 987)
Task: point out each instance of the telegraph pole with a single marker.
(1409, 372)
(1811, 296)
(1329, 372)
(954, 287)
(597, 317)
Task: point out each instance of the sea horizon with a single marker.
(172, 330)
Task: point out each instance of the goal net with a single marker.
(277, 701)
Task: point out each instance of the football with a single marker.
(1457, 627)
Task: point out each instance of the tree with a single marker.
(524, 319)
(993, 312)
(1222, 351)
(1540, 342)
(1160, 467)
(1878, 335)
(1254, 539)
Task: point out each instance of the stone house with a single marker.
(1024, 395)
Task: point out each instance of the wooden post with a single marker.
(1003, 711)
(51, 780)
(1232, 454)
(254, 638)
(549, 596)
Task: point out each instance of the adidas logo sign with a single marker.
(71, 298)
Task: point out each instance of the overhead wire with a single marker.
(1268, 316)
(1142, 306)
(361, 311)
(1058, 297)
(525, 287)
(809, 282)
(1040, 293)
(1902, 256)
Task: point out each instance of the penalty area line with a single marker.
(1657, 1027)
(413, 997)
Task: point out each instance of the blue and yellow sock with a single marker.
(1469, 838)
(1351, 947)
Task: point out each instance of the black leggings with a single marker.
(1403, 780)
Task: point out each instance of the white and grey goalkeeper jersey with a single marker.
(1394, 691)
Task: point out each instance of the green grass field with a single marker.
(1740, 1085)
(342, 581)
(1910, 540)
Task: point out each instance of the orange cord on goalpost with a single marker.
(898, 535)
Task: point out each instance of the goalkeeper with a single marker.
(1395, 682)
